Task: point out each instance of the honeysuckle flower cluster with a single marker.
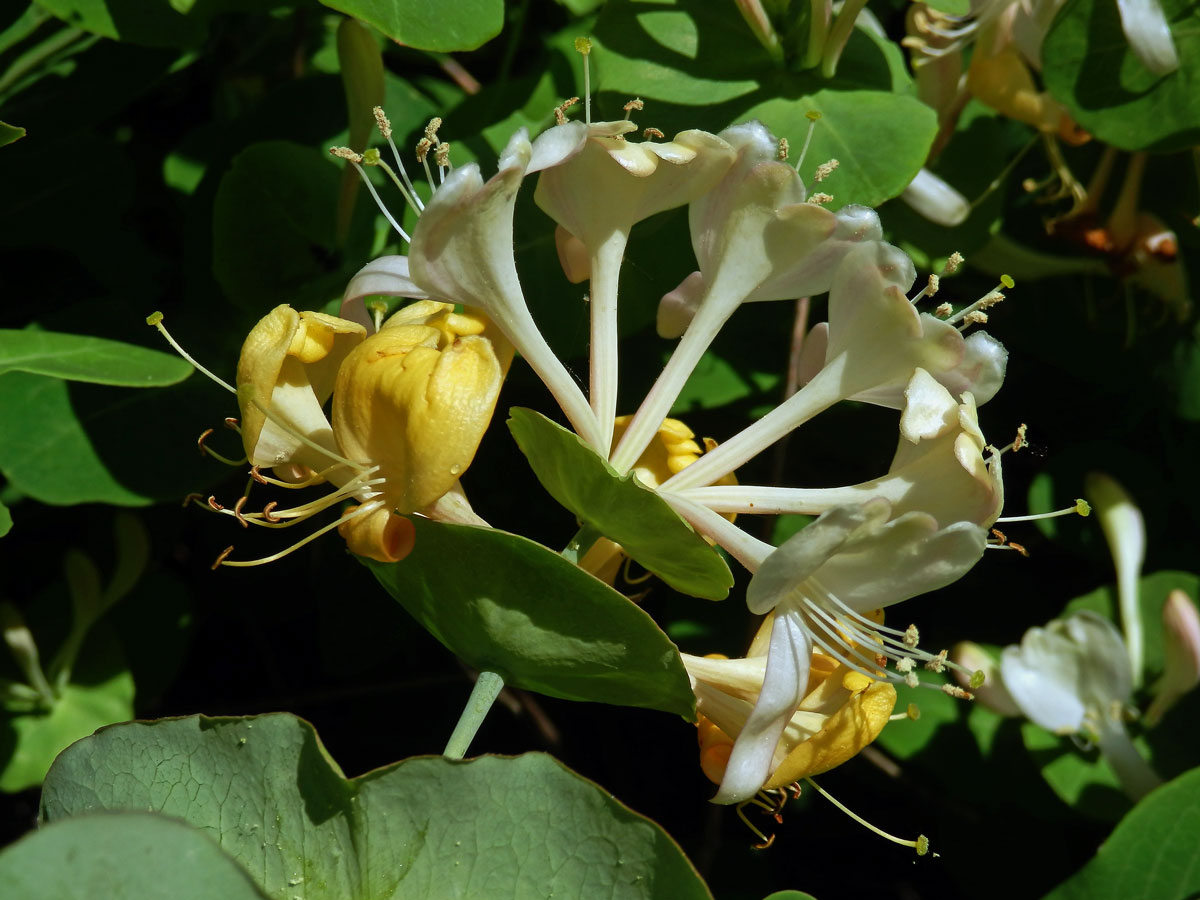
(757, 238)
(1076, 675)
(412, 395)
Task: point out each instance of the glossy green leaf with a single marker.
(1088, 66)
(879, 139)
(79, 357)
(100, 693)
(266, 789)
(151, 23)
(1152, 853)
(542, 623)
(45, 450)
(5, 520)
(789, 895)
(10, 133)
(907, 738)
(123, 856)
(461, 25)
(697, 65)
(1081, 779)
(620, 507)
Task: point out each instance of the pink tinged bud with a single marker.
(676, 309)
(1181, 644)
(992, 693)
(573, 256)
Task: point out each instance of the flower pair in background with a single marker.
(1077, 675)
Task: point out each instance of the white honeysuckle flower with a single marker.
(873, 343)
(939, 468)
(1072, 677)
(751, 233)
(818, 587)
(461, 251)
(934, 199)
(1149, 35)
(597, 195)
(386, 276)
(811, 274)
(1125, 531)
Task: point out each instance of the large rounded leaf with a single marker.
(267, 791)
(122, 856)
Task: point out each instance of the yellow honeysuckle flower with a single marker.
(841, 713)
(410, 405)
(416, 397)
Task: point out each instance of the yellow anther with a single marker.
(381, 120)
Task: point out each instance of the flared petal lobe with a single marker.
(288, 365)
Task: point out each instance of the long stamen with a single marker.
(991, 298)
(206, 450)
(365, 509)
(297, 514)
(356, 160)
(155, 319)
(812, 115)
(584, 47)
(921, 844)
(385, 128)
(372, 158)
(1081, 508)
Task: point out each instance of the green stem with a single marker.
(581, 544)
(483, 695)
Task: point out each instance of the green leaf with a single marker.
(789, 895)
(952, 7)
(461, 25)
(10, 133)
(540, 622)
(122, 856)
(880, 139)
(275, 231)
(151, 23)
(1088, 66)
(80, 357)
(100, 693)
(45, 450)
(266, 789)
(1081, 779)
(620, 507)
(5, 520)
(907, 738)
(1153, 852)
(698, 66)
